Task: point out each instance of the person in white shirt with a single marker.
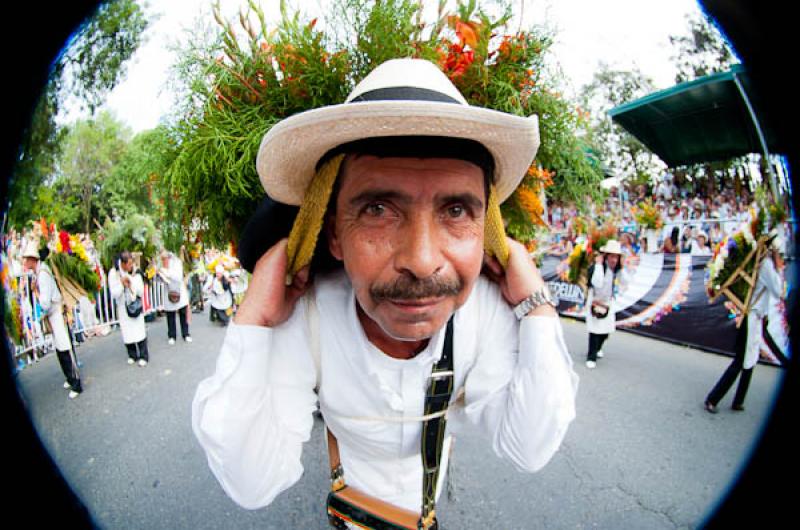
(700, 245)
(126, 284)
(220, 296)
(605, 275)
(177, 297)
(405, 227)
(51, 302)
(769, 286)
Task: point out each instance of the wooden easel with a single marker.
(758, 253)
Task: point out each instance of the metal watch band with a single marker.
(538, 297)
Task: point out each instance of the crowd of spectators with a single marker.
(691, 222)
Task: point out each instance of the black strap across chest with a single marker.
(437, 399)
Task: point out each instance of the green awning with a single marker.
(703, 120)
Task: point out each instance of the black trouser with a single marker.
(595, 345)
(218, 314)
(138, 350)
(729, 376)
(171, 323)
(69, 365)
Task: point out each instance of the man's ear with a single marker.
(334, 245)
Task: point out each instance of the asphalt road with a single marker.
(641, 454)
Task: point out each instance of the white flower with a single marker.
(748, 234)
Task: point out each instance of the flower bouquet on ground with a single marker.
(733, 268)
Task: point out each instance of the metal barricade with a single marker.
(88, 317)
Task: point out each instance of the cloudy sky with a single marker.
(622, 33)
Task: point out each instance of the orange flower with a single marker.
(530, 203)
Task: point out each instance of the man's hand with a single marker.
(269, 302)
(520, 279)
(598, 259)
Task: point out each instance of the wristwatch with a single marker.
(538, 297)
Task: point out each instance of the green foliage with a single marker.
(11, 318)
(701, 51)
(620, 152)
(75, 269)
(251, 77)
(90, 66)
(138, 185)
(95, 60)
(136, 233)
(91, 151)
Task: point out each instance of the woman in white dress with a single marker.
(126, 284)
(177, 299)
(604, 276)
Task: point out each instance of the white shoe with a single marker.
(171, 342)
(590, 364)
(142, 362)
(188, 339)
(599, 354)
(130, 361)
(66, 385)
(73, 394)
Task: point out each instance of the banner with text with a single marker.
(663, 296)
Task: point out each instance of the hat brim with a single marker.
(289, 152)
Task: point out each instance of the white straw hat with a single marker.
(31, 250)
(612, 246)
(401, 97)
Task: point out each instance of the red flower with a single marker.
(63, 236)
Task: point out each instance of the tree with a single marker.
(139, 185)
(91, 65)
(700, 52)
(91, 151)
(621, 153)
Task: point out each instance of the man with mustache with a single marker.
(398, 192)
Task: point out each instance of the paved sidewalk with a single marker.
(642, 453)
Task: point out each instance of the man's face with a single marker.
(612, 260)
(127, 266)
(29, 264)
(410, 234)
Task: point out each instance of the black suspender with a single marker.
(437, 399)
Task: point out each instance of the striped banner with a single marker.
(664, 297)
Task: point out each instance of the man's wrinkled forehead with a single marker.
(419, 147)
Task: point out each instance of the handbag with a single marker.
(599, 309)
(347, 504)
(133, 307)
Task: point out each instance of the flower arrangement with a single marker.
(647, 215)
(583, 254)
(256, 74)
(580, 226)
(12, 317)
(578, 262)
(71, 262)
(733, 256)
(537, 246)
(136, 233)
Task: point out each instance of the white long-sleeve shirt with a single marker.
(133, 329)
(254, 413)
